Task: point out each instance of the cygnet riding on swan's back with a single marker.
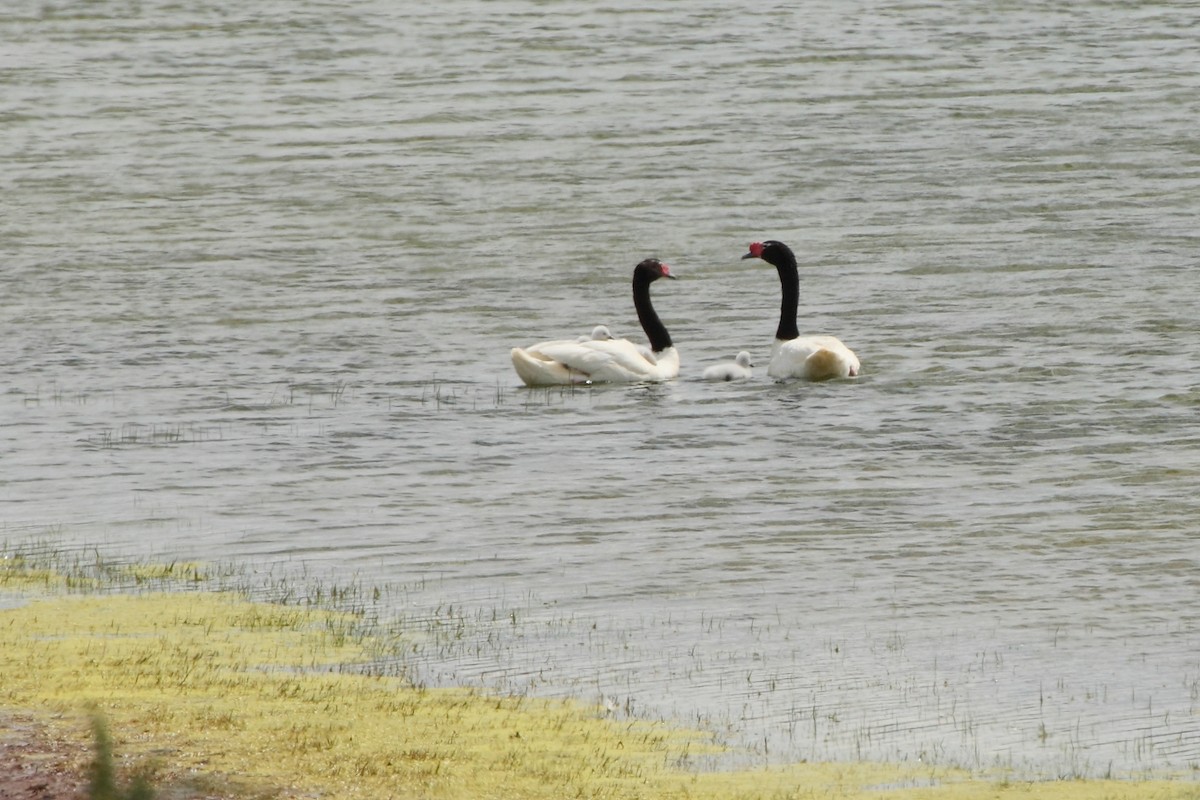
(737, 370)
(607, 360)
(599, 333)
(816, 358)
(602, 332)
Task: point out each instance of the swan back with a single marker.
(593, 361)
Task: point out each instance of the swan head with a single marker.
(651, 269)
(743, 360)
(773, 252)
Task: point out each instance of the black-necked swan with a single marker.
(737, 370)
(611, 360)
(816, 358)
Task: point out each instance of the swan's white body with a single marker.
(737, 370)
(603, 359)
(593, 361)
(814, 358)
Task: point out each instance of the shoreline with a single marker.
(258, 697)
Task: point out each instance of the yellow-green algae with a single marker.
(250, 690)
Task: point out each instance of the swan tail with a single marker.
(824, 364)
(535, 371)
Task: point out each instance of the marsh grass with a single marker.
(289, 699)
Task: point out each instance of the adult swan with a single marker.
(815, 358)
(607, 360)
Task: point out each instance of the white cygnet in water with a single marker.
(737, 370)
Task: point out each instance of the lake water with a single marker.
(263, 264)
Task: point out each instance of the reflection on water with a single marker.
(262, 272)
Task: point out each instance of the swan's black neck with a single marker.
(655, 330)
(789, 281)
